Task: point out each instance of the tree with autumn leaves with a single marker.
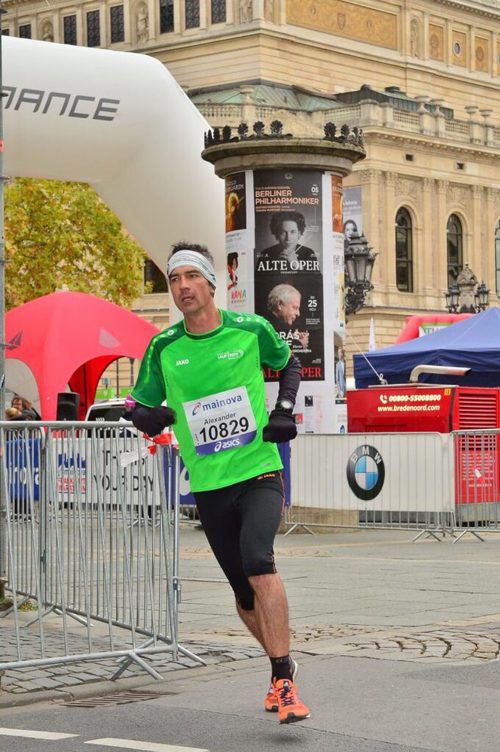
(62, 236)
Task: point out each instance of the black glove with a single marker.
(281, 427)
(152, 420)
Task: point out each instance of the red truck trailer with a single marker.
(442, 409)
(422, 407)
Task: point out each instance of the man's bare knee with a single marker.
(262, 580)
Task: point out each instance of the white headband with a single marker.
(192, 258)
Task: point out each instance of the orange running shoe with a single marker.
(290, 708)
(271, 699)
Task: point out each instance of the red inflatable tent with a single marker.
(69, 339)
(411, 329)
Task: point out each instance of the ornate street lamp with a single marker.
(452, 295)
(359, 259)
(482, 297)
(467, 296)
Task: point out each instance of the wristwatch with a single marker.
(284, 404)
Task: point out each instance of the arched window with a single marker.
(455, 249)
(497, 257)
(404, 251)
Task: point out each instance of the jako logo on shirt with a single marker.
(230, 355)
(182, 362)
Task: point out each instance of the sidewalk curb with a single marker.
(109, 687)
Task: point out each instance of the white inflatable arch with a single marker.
(120, 122)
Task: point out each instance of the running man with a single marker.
(208, 367)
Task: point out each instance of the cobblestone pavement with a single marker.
(473, 643)
(65, 676)
(361, 595)
(434, 645)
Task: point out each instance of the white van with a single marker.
(112, 410)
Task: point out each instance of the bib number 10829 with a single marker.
(221, 421)
(224, 429)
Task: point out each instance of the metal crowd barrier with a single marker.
(477, 481)
(92, 519)
(375, 481)
(90, 524)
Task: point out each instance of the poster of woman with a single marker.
(232, 270)
(235, 202)
(352, 213)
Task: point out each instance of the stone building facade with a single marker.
(422, 80)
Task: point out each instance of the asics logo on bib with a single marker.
(226, 444)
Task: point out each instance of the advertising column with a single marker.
(284, 250)
(284, 246)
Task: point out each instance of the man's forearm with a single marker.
(289, 380)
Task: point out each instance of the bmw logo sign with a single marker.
(365, 472)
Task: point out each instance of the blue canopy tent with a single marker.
(473, 343)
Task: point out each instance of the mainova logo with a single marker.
(196, 408)
(365, 472)
(228, 401)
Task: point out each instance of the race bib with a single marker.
(221, 421)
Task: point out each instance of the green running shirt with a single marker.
(215, 384)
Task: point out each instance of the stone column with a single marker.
(370, 202)
(488, 251)
(153, 20)
(439, 241)
(439, 120)
(203, 15)
(258, 9)
(489, 134)
(81, 25)
(424, 274)
(475, 129)
(388, 244)
(179, 20)
(426, 119)
(479, 259)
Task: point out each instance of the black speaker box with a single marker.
(67, 406)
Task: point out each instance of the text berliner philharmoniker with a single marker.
(271, 196)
